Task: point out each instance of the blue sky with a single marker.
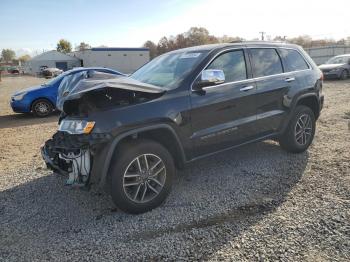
(33, 25)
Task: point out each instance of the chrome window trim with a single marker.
(249, 80)
(253, 78)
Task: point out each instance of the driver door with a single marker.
(224, 115)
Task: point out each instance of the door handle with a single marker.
(290, 79)
(246, 88)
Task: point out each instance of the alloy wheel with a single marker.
(303, 129)
(42, 108)
(144, 178)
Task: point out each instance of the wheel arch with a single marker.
(310, 101)
(41, 98)
(168, 139)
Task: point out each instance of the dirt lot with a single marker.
(255, 203)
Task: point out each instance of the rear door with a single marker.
(296, 68)
(272, 84)
(224, 115)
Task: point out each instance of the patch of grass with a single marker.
(347, 115)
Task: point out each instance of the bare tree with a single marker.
(152, 48)
(82, 46)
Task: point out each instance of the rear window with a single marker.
(266, 62)
(293, 60)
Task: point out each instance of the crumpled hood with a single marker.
(121, 82)
(75, 86)
(330, 66)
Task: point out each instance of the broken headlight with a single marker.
(76, 126)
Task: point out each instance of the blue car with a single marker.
(41, 100)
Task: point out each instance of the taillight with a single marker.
(322, 77)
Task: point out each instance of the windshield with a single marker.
(338, 60)
(56, 79)
(169, 69)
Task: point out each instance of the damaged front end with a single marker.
(73, 155)
(79, 147)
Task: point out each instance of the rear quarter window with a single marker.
(293, 60)
(266, 61)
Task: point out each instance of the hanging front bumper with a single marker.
(74, 155)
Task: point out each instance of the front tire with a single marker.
(141, 176)
(42, 108)
(300, 131)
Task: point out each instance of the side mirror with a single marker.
(210, 77)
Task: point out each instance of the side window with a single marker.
(293, 60)
(266, 62)
(233, 64)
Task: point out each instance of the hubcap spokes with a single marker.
(144, 178)
(303, 130)
(42, 108)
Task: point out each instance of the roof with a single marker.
(343, 55)
(77, 69)
(211, 47)
(119, 49)
(53, 55)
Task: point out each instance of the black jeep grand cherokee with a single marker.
(128, 134)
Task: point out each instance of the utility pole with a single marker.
(262, 35)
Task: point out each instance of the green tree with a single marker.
(64, 46)
(8, 55)
(24, 58)
(82, 46)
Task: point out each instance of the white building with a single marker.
(51, 59)
(125, 60)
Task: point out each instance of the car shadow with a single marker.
(238, 187)
(18, 120)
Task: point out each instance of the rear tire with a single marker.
(300, 131)
(344, 75)
(42, 108)
(141, 176)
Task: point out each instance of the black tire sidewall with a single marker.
(344, 75)
(122, 159)
(41, 101)
(288, 139)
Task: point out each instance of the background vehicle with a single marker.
(51, 72)
(41, 100)
(129, 133)
(13, 70)
(337, 67)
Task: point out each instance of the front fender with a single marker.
(104, 156)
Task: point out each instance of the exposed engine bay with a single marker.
(106, 98)
(74, 150)
(90, 91)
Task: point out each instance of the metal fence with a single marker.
(322, 54)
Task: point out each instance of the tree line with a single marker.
(200, 36)
(193, 37)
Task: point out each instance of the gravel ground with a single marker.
(256, 203)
